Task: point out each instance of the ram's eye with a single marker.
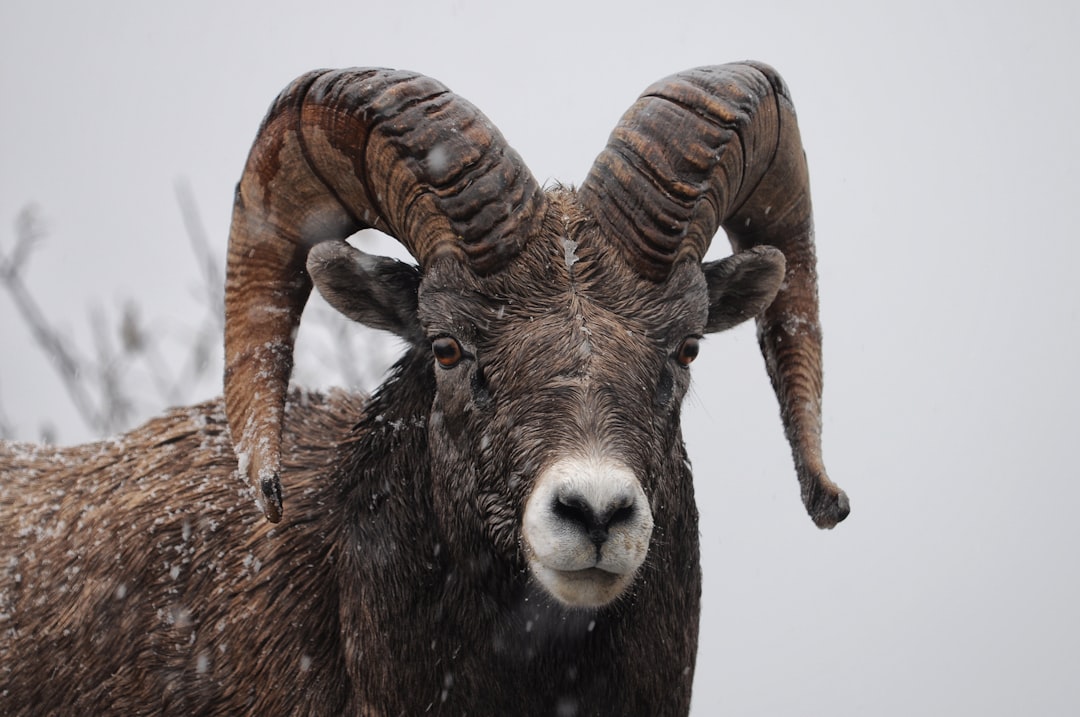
(447, 351)
(688, 350)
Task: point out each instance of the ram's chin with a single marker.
(588, 588)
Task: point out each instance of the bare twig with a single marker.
(104, 387)
(136, 341)
(110, 368)
(28, 231)
(213, 283)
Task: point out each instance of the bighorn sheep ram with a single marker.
(508, 525)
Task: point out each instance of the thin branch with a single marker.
(110, 368)
(28, 232)
(209, 263)
(103, 387)
(136, 341)
(199, 357)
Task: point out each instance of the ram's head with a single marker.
(558, 326)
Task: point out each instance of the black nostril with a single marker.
(576, 509)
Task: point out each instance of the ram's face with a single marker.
(554, 427)
(559, 384)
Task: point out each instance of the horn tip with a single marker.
(270, 500)
(827, 506)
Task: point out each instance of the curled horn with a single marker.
(720, 146)
(340, 151)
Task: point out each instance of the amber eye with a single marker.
(447, 351)
(688, 350)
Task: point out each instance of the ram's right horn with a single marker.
(340, 151)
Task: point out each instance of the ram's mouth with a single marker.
(587, 588)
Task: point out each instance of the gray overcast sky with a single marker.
(942, 144)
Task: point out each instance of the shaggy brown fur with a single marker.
(137, 578)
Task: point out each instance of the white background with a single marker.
(942, 140)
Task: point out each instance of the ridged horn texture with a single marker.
(340, 151)
(720, 146)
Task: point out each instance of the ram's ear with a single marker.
(376, 291)
(742, 285)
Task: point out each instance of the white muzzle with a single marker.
(586, 527)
